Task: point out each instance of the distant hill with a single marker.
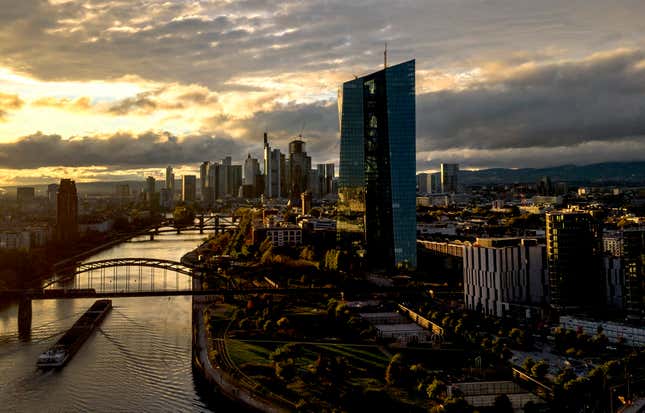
(601, 173)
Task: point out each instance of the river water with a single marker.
(138, 360)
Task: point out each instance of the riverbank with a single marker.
(215, 375)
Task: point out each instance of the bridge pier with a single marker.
(24, 318)
(201, 224)
(178, 231)
(152, 236)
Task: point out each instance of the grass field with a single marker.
(242, 352)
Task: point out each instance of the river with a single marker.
(138, 360)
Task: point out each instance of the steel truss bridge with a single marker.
(215, 223)
(126, 275)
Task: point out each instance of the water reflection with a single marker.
(139, 359)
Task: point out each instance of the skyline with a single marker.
(116, 91)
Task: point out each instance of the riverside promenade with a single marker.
(215, 375)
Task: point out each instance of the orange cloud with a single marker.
(9, 103)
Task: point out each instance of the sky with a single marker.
(118, 89)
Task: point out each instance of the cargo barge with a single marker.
(61, 352)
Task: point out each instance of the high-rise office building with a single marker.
(283, 174)
(251, 170)
(151, 193)
(228, 179)
(273, 170)
(151, 185)
(211, 184)
(234, 180)
(164, 199)
(203, 181)
(122, 191)
(67, 211)
(449, 182)
(545, 187)
(25, 193)
(423, 183)
(377, 164)
(314, 183)
(52, 192)
(170, 184)
(326, 176)
(305, 203)
(633, 257)
(299, 167)
(188, 188)
(435, 183)
(574, 248)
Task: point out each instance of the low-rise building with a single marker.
(15, 240)
(279, 235)
(615, 332)
(392, 325)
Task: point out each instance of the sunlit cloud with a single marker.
(490, 80)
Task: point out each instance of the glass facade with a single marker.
(377, 183)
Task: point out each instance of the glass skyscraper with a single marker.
(377, 182)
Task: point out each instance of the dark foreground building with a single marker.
(67, 211)
(377, 183)
(574, 245)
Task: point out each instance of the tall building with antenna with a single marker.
(272, 170)
(377, 182)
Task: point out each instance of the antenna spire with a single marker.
(385, 57)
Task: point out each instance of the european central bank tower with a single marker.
(377, 185)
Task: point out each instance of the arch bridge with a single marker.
(127, 279)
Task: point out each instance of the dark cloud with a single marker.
(625, 150)
(211, 42)
(523, 109)
(148, 149)
(141, 104)
(601, 98)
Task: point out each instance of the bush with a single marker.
(540, 369)
(436, 390)
(396, 370)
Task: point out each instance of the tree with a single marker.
(268, 326)
(267, 256)
(565, 376)
(503, 404)
(436, 390)
(285, 370)
(528, 364)
(457, 405)
(517, 336)
(540, 369)
(283, 353)
(396, 370)
(308, 253)
(283, 322)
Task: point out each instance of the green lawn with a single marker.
(362, 355)
(242, 352)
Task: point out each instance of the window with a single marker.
(371, 86)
